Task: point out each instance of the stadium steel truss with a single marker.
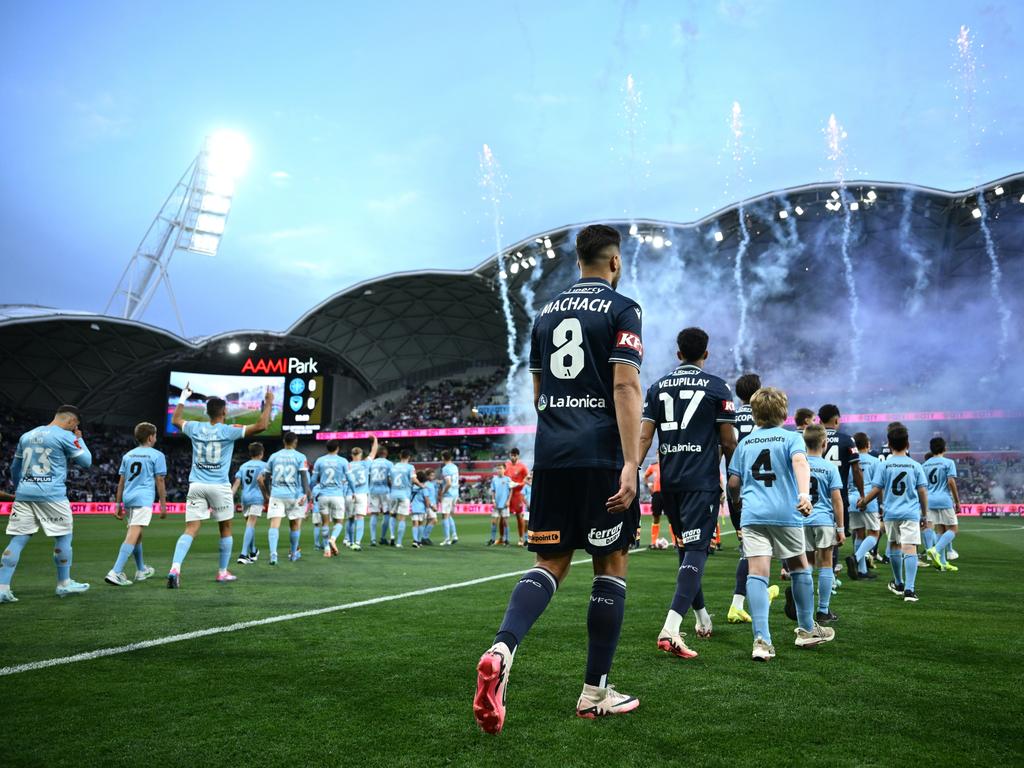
(408, 327)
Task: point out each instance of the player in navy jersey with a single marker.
(943, 503)
(585, 353)
(141, 482)
(39, 473)
(209, 490)
(693, 413)
(842, 452)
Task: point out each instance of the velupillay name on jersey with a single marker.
(684, 381)
(568, 401)
(578, 304)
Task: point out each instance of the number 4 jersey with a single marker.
(577, 339)
(764, 463)
(686, 407)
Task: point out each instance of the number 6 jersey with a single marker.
(577, 339)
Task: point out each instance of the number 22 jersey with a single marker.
(577, 339)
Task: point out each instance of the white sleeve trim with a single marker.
(647, 418)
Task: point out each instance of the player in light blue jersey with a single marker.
(287, 475)
(330, 473)
(39, 473)
(359, 478)
(253, 500)
(943, 503)
(209, 487)
(430, 508)
(903, 488)
(141, 482)
(500, 492)
(403, 481)
(449, 498)
(823, 528)
(770, 478)
(380, 495)
(865, 525)
(418, 507)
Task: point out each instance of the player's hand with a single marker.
(621, 501)
(862, 504)
(119, 512)
(804, 507)
(268, 397)
(163, 509)
(956, 508)
(186, 393)
(78, 432)
(302, 501)
(840, 536)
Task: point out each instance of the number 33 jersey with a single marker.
(140, 468)
(578, 338)
(764, 463)
(686, 407)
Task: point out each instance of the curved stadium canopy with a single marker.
(407, 327)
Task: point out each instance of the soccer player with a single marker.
(585, 356)
(865, 525)
(895, 483)
(141, 482)
(802, 418)
(652, 478)
(943, 502)
(358, 473)
(842, 451)
(403, 479)
(770, 478)
(418, 506)
(254, 500)
(823, 528)
(209, 491)
(380, 495)
(288, 472)
(449, 498)
(501, 491)
(746, 386)
(516, 472)
(693, 413)
(39, 474)
(430, 507)
(329, 474)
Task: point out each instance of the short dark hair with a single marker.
(446, 455)
(747, 385)
(333, 445)
(827, 412)
(405, 453)
(255, 450)
(862, 441)
(514, 451)
(215, 407)
(692, 343)
(593, 241)
(143, 431)
(382, 451)
(69, 409)
(289, 438)
(803, 416)
(899, 438)
(893, 424)
(421, 475)
(937, 445)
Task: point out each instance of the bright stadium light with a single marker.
(234, 348)
(835, 195)
(648, 239)
(799, 211)
(783, 215)
(503, 274)
(252, 346)
(719, 237)
(1021, 199)
(668, 243)
(872, 196)
(547, 242)
(551, 253)
(633, 229)
(854, 206)
(514, 268)
(658, 241)
(976, 213)
(228, 154)
(533, 261)
(999, 190)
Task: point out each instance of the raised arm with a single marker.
(264, 420)
(628, 405)
(373, 449)
(177, 418)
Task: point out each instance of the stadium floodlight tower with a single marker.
(192, 219)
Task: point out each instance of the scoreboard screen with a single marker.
(300, 400)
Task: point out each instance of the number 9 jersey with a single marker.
(577, 339)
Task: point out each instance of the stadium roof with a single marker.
(408, 327)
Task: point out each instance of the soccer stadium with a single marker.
(289, 539)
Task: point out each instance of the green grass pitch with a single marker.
(391, 684)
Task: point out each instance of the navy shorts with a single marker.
(657, 505)
(694, 516)
(567, 511)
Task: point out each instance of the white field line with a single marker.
(238, 627)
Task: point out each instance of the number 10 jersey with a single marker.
(577, 339)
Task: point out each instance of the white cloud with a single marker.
(394, 203)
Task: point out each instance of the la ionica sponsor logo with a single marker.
(568, 401)
(666, 448)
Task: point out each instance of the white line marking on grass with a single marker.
(143, 644)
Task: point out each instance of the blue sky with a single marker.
(367, 123)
